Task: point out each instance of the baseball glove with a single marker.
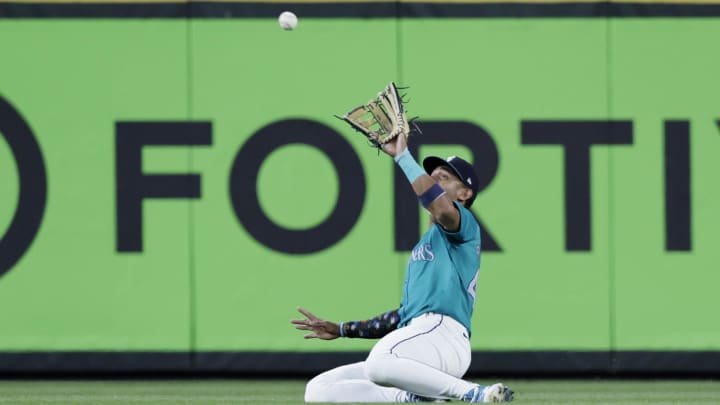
(381, 120)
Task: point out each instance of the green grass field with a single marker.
(576, 392)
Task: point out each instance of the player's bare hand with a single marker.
(395, 147)
(321, 329)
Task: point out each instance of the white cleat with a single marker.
(497, 393)
(491, 394)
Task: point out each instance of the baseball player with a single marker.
(424, 346)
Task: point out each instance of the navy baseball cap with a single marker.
(462, 169)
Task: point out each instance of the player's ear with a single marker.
(464, 194)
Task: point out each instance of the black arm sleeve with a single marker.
(374, 328)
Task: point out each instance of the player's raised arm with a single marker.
(383, 121)
(432, 195)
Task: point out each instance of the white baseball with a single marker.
(288, 20)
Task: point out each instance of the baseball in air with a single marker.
(288, 20)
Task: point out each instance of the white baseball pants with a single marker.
(427, 357)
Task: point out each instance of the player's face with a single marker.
(448, 181)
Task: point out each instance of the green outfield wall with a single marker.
(180, 184)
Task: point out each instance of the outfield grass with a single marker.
(576, 392)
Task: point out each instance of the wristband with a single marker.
(430, 195)
(409, 166)
(342, 327)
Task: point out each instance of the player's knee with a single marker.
(316, 390)
(376, 371)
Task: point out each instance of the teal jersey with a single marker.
(442, 272)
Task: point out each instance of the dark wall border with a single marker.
(520, 363)
(390, 9)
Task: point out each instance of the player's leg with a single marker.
(349, 384)
(427, 357)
